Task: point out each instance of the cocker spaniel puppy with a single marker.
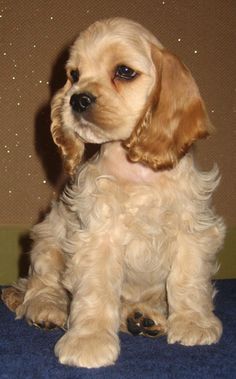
(131, 245)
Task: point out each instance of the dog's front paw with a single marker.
(89, 351)
(194, 330)
(43, 313)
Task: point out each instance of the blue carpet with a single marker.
(27, 352)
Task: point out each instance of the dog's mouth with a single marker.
(89, 132)
(85, 128)
(94, 120)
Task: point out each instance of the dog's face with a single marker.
(111, 75)
(122, 85)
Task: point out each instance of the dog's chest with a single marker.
(104, 200)
(134, 213)
(139, 220)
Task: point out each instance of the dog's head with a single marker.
(123, 85)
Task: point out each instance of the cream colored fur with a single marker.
(123, 236)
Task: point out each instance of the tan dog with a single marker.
(132, 243)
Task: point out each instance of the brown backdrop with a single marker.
(34, 39)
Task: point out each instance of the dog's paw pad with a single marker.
(147, 322)
(45, 325)
(134, 326)
(140, 324)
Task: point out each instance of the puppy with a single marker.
(131, 245)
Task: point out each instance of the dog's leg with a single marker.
(40, 298)
(190, 293)
(45, 302)
(92, 339)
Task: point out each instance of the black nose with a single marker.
(80, 102)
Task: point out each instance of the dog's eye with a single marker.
(74, 75)
(124, 72)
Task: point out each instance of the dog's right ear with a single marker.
(71, 147)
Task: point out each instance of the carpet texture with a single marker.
(27, 352)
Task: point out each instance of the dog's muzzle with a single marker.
(80, 102)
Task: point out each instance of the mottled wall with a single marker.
(35, 36)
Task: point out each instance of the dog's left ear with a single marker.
(71, 147)
(175, 116)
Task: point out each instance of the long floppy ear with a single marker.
(71, 147)
(175, 116)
